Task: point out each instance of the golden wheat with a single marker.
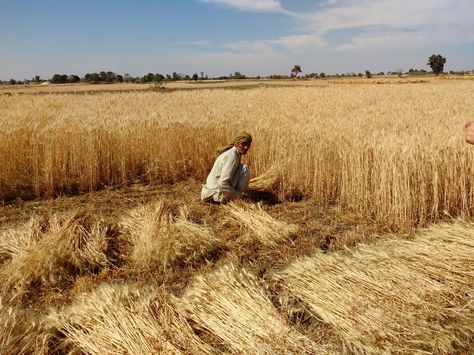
(259, 224)
(393, 153)
(69, 245)
(162, 241)
(396, 296)
(232, 305)
(15, 239)
(121, 319)
(21, 332)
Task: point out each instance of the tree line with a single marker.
(436, 62)
(109, 77)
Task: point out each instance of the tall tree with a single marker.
(296, 70)
(436, 62)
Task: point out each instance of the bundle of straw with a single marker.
(21, 332)
(259, 223)
(161, 240)
(396, 296)
(15, 239)
(232, 305)
(269, 181)
(61, 248)
(121, 319)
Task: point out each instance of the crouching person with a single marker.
(228, 178)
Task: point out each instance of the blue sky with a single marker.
(219, 37)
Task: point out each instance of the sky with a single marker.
(220, 37)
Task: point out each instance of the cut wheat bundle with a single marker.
(232, 305)
(15, 239)
(57, 250)
(269, 181)
(121, 319)
(394, 297)
(20, 332)
(161, 240)
(260, 225)
(273, 186)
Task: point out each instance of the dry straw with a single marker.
(161, 240)
(269, 181)
(15, 239)
(20, 332)
(232, 305)
(120, 319)
(260, 226)
(394, 297)
(53, 251)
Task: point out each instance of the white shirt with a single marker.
(219, 179)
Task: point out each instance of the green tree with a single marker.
(368, 74)
(110, 77)
(92, 78)
(195, 77)
(158, 78)
(436, 62)
(296, 70)
(73, 78)
(148, 78)
(59, 78)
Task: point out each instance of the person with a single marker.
(469, 132)
(228, 178)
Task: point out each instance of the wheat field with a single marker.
(393, 153)
(105, 247)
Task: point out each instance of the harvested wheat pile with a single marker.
(161, 240)
(53, 251)
(394, 297)
(20, 332)
(259, 223)
(232, 305)
(16, 239)
(123, 320)
(269, 181)
(272, 185)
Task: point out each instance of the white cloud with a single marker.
(380, 22)
(249, 5)
(294, 43)
(198, 43)
(300, 43)
(424, 17)
(383, 41)
(387, 26)
(254, 46)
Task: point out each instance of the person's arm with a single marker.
(469, 130)
(224, 184)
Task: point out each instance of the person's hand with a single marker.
(469, 131)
